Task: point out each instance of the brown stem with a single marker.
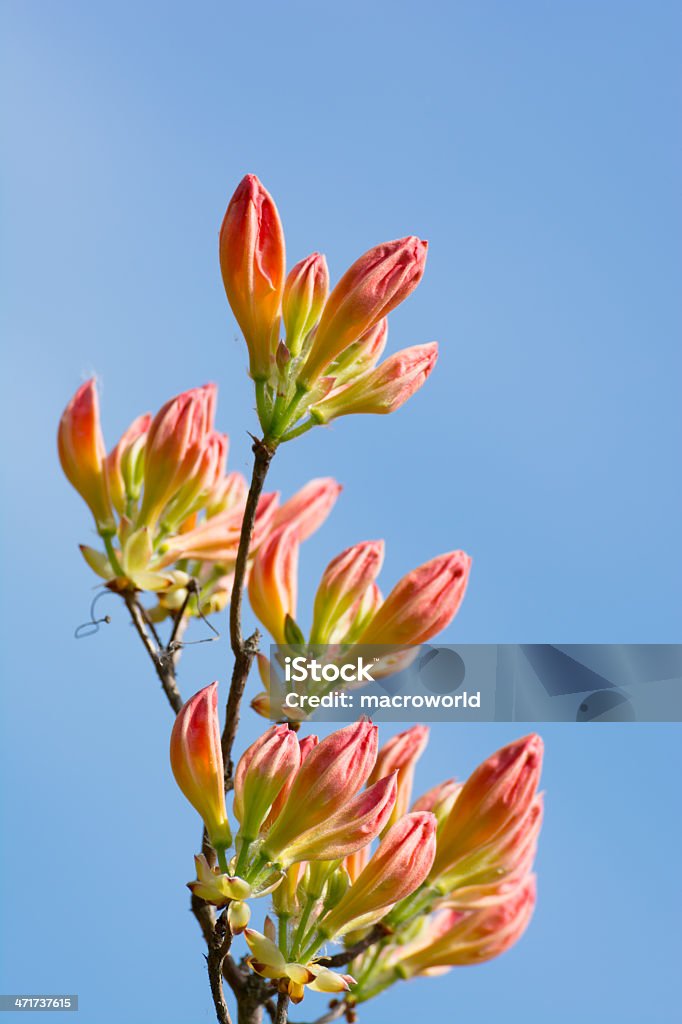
(244, 650)
(218, 948)
(282, 1016)
(378, 932)
(163, 661)
(336, 1010)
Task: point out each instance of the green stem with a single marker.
(311, 943)
(282, 939)
(302, 924)
(222, 859)
(283, 417)
(297, 431)
(262, 403)
(111, 554)
(243, 858)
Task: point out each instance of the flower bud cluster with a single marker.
(166, 509)
(325, 365)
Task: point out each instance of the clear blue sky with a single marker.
(536, 145)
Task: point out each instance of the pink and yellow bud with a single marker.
(397, 869)
(332, 772)
(309, 507)
(197, 762)
(383, 389)
(400, 754)
(477, 936)
(440, 799)
(124, 465)
(373, 286)
(422, 603)
(273, 583)
(82, 453)
(494, 800)
(262, 772)
(351, 625)
(361, 356)
(358, 822)
(343, 584)
(174, 446)
(305, 293)
(252, 261)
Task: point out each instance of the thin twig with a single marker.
(336, 1010)
(282, 1016)
(164, 666)
(378, 932)
(218, 948)
(244, 650)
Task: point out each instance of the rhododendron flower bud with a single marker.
(373, 286)
(439, 799)
(356, 862)
(383, 389)
(305, 293)
(215, 887)
(349, 627)
(361, 356)
(400, 754)
(261, 773)
(309, 507)
(496, 797)
(273, 583)
(397, 869)
(343, 583)
(124, 464)
(478, 936)
(305, 746)
(197, 762)
(422, 603)
(82, 453)
(358, 822)
(252, 262)
(174, 445)
(332, 772)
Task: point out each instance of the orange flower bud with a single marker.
(124, 465)
(333, 771)
(197, 762)
(422, 603)
(357, 823)
(361, 356)
(305, 293)
(343, 583)
(252, 262)
(478, 936)
(400, 754)
(373, 286)
(174, 447)
(82, 453)
(383, 389)
(397, 869)
(309, 507)
(261, 773)
(493, 800)
(273, 583)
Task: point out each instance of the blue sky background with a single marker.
(536, 145)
